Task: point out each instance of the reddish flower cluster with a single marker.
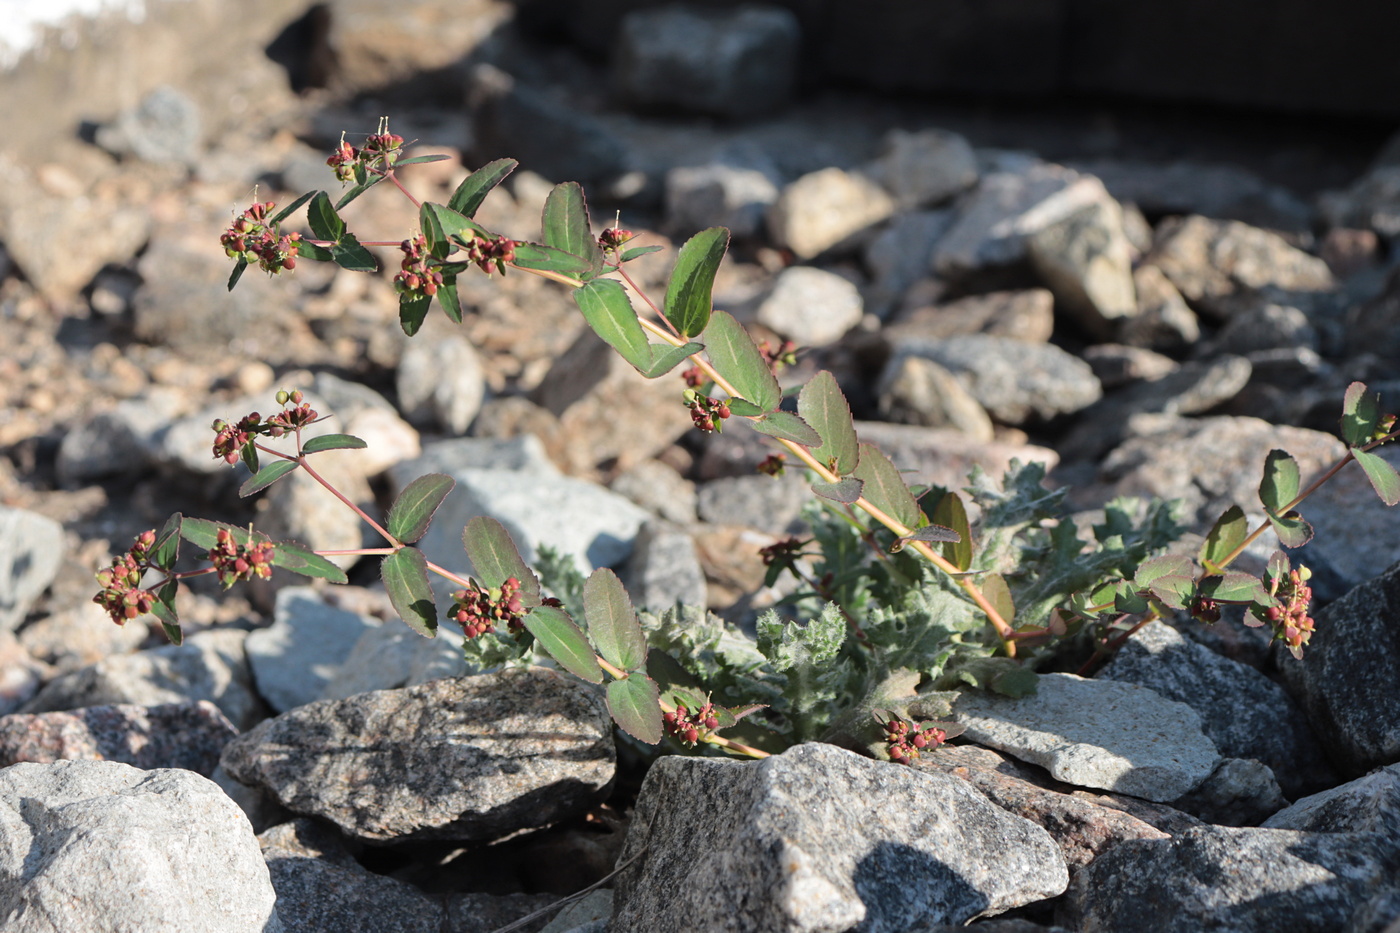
(1290, 620)
(229, 439)
(417, 277)
(611, 239)
(784, 355)
(487, 253)
(708, 414)
(121, 593)
(773, 465)
(783, 552)
(253, 239)
(904, 741)
(1204, 609)
(691, 726)
(289, 419)
(381, 150)
(233, 561)
(480, 610)
(694, 379)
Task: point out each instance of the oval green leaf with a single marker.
(324, 221)
(743, 408)
(495, 558)
(267, 476)
(412, 512)
(884, 487)
(405, 575)
(994, 588)
(1279, 486)
(287, 211)
(788, 427)
(846, 491)
(352, 257)
(167, 547)
(549, 259)
(665, 358)
(637, 252)
(1381, 474)
(951, 513)
(609, 311)
(612, 622)
(470, 194)
(736, 358)
(412, 310)
(289, 555)
(332, 442)
(1234, 587)
(448, 299)
(1228, 533)
(634, 705)
(566, 225)
(822, 405)
(203, 533)
(688, 295)
(1360, 414)
(1292, 529)
(564, 642)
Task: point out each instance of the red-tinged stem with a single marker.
(310, 471)
(661, 315)
(359, 552)
(448, 575)
(398, 184)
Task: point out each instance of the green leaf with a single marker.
(637, 252)
(634, 704)
(884, 487)
(496, 559)
(449, 301)
(549, 259)
(736, 358)
(358, 190)
(412, 310)
(352, 257)
(688, 295)
(994, 588)
(419, 160)
(1234, 587)
(332, 442)
(1360, 414)
(164, 609)
(609, 311)
(405, 575)
(413, 510)
(1015, 682)
(1292, 529)
(1280, 484)
(166, 550)
(1169, 578)
(237, 272)
(1381, 474)
(325, 222)
(1228, 533)
(440, 225)
(789, 427)
(743, 408)
(290, 209)
(951, 513)
(665, 358)
(308, 250)
(203, 533)
(293, 557)
(267, 476)
(822, 405)
(846, 491)
(564, 642)
(566, 225)
(249, 454)
(475, 187)
(612, 622)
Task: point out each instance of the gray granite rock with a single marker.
(1164, 320)
(440, 379)
(898, 256)
(1026, 314)
(296, 657)
(1240, 792)
(914, 390)
(826, 209)
(461, 758)
(1240, 708)
(1356, 538)
(1117, 364)
(1096, 733)
(522, 453)
(175, 854)
(659, 489)
(31, 549)
(76, 636)
(943, 457)
(368, 415)
(729, 62)
(172, 735)
(1369, 804)
(165, 127)
(21, 674)
(1014, 381)
(1346, 678)
(117, 441)
(803, 841)
(1245, 880)
(768, 503)
(810, 306)
(924, 167)
(1266, 325)
(664, 569)
(208, 666)
(1086, 260)
(1220, 190)
(392, 655)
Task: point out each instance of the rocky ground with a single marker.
(1147, 303)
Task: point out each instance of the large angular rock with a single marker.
(31, 549)
(825, 209)
(924, 168)
(173, 735)
(811, 307)
(803, 841)
(1369, 804)
(208, 666)
(733, 191)
(1240, 708)
(463, 758)
(1221, 878)
(1346, 677)
(1096, 733)
(393, 655)
(1086, 260)
(175, 853)
(737, 62)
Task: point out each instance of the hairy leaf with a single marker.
(822, 405)
(405, 575)
(951, 513)
(1381, 474)
(688, 295)
(496, 559)
(846, 491)
(351, 256)
(612, 622)
(804, 653)
(634, 704)
(267, 476)
(1292, 529)
(1234, 587)
(665, 358)
(549, 259)
(736, 358)
(788, 427)
(294, 557)
(413, 510)
(467, 199)
(566, 225)
(564, 642)
(412, 310)
(1168, 578)
(885, 488)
